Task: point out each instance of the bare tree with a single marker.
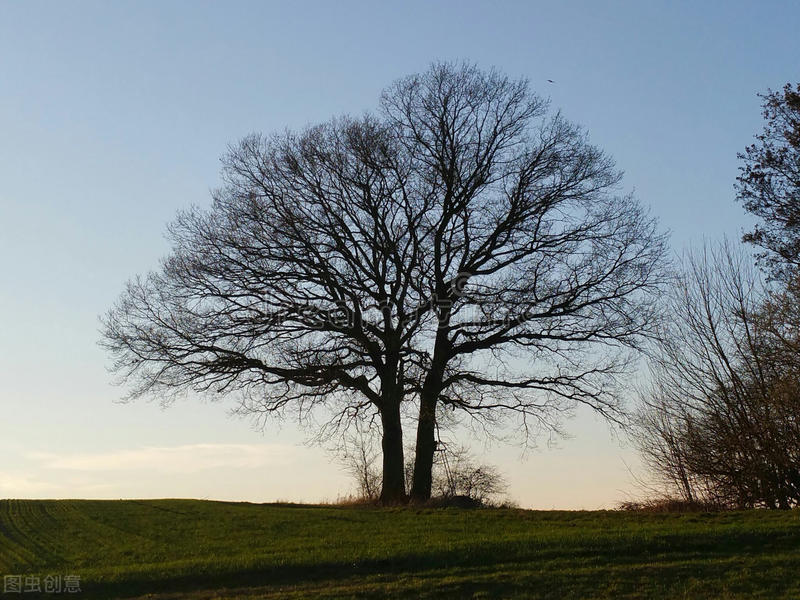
(720, 422)
(359, 455)
(537, 271)
(464, 250)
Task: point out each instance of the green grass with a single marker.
(196, 549)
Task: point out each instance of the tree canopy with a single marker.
(769, 182)
(462, 250)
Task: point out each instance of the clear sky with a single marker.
(113, 116)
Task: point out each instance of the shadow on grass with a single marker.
(566, 565)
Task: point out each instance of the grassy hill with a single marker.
(198, 549)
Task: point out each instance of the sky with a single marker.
(113, 117)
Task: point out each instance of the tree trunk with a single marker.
(426, 426)
(426, 446)
(394, 489)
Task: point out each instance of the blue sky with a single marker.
(113, 116)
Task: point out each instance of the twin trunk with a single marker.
(393, 491)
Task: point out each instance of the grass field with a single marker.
(197, 549)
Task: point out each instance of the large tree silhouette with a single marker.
(462, 250)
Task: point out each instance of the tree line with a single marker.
(721, 422)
